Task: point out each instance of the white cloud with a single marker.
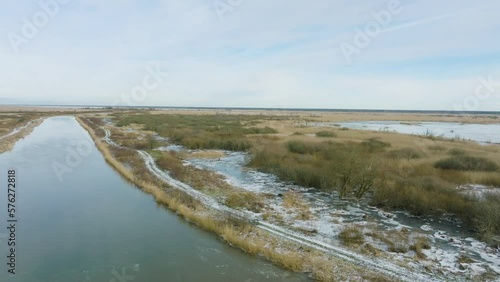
(261, 54)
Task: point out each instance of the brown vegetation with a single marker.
(352, 235)
(236, 233)
(421, 243)
(245, 200)
(293, 200)
(8, 122)
(390, 170)
(393, 171)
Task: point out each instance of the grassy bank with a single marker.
(237, 233)
(8, 122)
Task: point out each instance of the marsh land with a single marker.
(308, 193)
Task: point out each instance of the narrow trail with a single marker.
(375, 264)
(18, 129)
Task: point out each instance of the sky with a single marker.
(339, 54)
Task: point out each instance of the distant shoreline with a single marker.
(21, 106)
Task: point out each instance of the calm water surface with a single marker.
(91, 225)
(482, 133)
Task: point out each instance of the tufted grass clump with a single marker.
(352, 235)
(467, 163)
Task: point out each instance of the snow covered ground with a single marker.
(452, 253)
(478, 191)
(450, 243)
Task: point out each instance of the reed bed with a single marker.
(235, 232)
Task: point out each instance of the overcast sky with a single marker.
(396, 54)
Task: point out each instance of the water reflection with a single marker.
(94, 226)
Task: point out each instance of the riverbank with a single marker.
(234, 231)
(93, 225)
(7, 141)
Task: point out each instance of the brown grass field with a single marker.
(418, 174)
(389, 170)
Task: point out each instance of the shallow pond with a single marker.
(482, 133)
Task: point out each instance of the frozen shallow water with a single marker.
(450, 239)
(482, 133)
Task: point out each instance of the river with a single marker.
(83, 222)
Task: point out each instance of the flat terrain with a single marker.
(320, 116)
(425, 176)
(339, 191)
(36, 109)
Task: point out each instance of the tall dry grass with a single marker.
(245, 200)
(103, 148)
(236, 233)
(7, 143)
(293, 200)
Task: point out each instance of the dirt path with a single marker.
(7, 141)
(378, 265)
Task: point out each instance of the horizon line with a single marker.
(250, 108)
